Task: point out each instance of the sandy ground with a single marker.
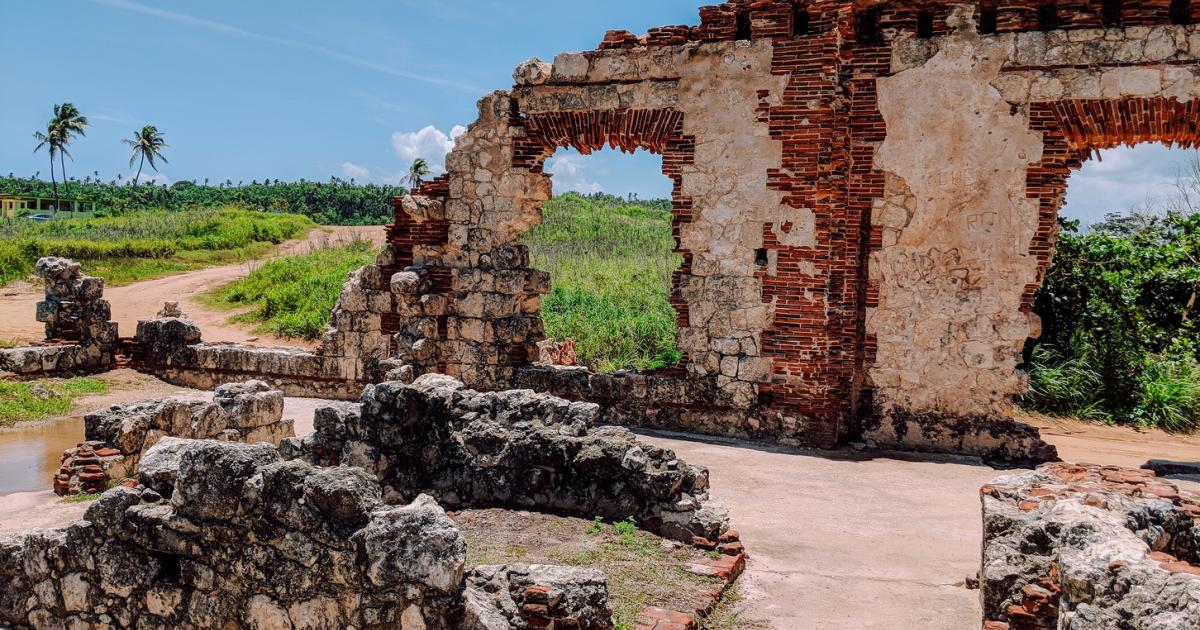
(142, 300)
(838, 540)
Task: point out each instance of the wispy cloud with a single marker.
(234, 31)
(354, 171)
(107, 118)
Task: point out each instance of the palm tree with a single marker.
(69, 123)
(147, 145)
(51, 141)
(416, 172)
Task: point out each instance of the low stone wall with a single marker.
(170, 347)
(1077, 547)
(995, 439)
(229, 535)
(514, 449)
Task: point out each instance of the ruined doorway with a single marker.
(606, 240)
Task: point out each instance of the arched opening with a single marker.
(1119, 309)
(607, 240)
(609, 249)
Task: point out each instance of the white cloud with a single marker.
(568, 171)
(1123, 178)
(430, 143)
(356, 172)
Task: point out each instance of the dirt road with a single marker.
(142, 300)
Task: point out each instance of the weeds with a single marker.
(294, 296)
(145, 244)
(610, 265)
(34, 400)
(82, 497)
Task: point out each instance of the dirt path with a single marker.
(141, 300)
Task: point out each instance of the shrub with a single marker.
(1120, 334)
(151, 235)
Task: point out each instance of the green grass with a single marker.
(146, 244)
(610, 266)
(82, 497)
(34, 400)
(294, 296)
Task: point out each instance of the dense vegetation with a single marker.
(610, 263)
(35, 400)
(145, 244)
(295, 295)
(336, 202)
(1121, 340)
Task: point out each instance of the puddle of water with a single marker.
(29, 456)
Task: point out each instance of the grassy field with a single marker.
(610, 265)
(34, 400)
(294, 296)
(147, 244)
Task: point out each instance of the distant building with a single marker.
(12, 205)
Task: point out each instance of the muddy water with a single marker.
(29, 456)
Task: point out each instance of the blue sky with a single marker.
(306, 89)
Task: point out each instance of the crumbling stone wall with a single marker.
(1082, 547)
(117, 437)
(513, 449)
(864, 200)
(78, 321)
(171, 346)
(229, 535)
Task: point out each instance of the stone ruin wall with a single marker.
(227, 535)
(1081, 547)
(339, 529)
(115, 438)
(864, 201)
(80, 333)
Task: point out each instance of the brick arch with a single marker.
(1075, 130)
(658, 131)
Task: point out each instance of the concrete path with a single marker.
(838, 541)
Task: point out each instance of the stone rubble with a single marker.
(1083, 547)
(118, 436)
(515, 449)
(225, 534)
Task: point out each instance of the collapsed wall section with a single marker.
(80, 333)
(228, 535)
(1078, 547)
(515, 449)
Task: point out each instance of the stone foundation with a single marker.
(1078, 547)
(513, 449)
(235, 537)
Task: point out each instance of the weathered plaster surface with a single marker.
(956, 233)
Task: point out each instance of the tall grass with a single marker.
(610, 265)
(145, 244)
(293, 296)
